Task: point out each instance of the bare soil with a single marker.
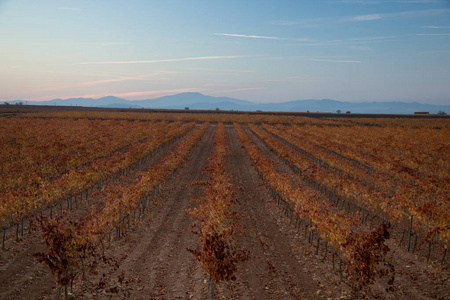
(415, 278)
(152, 262)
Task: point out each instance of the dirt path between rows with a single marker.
(152, 258)
(21, 276)
(158, 266)
(152, 261)
(415, 278)
(272, 272)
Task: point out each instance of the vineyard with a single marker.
(140, 205)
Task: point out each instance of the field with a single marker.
(162, 205)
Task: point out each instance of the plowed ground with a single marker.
(152, 261)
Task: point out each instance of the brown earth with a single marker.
(151, 260)
(415, 278)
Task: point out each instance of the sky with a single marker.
(262, 51)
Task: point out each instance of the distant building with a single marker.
(421, 113)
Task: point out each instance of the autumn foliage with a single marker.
(353, 184)
(216, 221)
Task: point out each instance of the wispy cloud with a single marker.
(403, 14)
(236, 90)
(160, 60)
(134, 95)
(367, 17)
(356, 42)
(261, 37)
(362, 2)
(364, 18)
(436, 27)
(217, 84)
(368, 39)
(130, 96)
(297, 79)
(378, 2)
(433, 34)
(222, 70)
(83, 74)
(333, 60)
(97, 82)
(250, 36)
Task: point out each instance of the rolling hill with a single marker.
(205, 102)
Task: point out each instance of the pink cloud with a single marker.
(129, 96)
(159, 93)
(237, 90)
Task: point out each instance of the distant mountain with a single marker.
(121, 105)
(189, 99)
(200, 101)
(89, 102)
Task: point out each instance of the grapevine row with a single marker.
(412, 195)
(51, 148)
(413, 153)
(397, 207)
(216, 222)
(363, 251)
(119, 200)
(40, 193)
(72, 243)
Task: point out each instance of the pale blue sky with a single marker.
(262, 51)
